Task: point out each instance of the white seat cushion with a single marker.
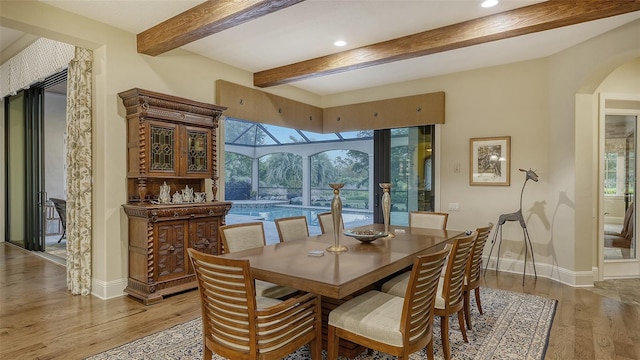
(375, 315)
(265, 302)
(398, 285)
(272, 290)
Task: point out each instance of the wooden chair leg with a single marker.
(467, 309)
(208, 354)
(316, 344)
(461, 322)
(478, 301)
(430, 350)
(332, 344)
(444, 334)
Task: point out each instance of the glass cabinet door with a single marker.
(163, 148)
(198, 152)
(178, 150)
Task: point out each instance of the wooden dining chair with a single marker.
(417, 219)
(245, 236)
(449, 298)
(325, 220)
(388, 323)
(473, 271)
(242, 236)
(238, 325)
(292, 228)
(428, 219)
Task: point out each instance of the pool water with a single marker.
(275, 212)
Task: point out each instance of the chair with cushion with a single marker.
(326, 222)
(245, 236)
(61, 208)
(428, 219)
(387, 323)
(473, 271)
(292, 228)
(449, 298)
(242, 236)
(624, 238)
(236, 324)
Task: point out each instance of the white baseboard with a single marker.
(553, 272)
(108, 289)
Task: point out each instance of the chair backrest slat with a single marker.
(452, 289)
(474, 266)
(233, 325)
(226, 290)
(417, 314)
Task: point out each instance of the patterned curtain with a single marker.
(79, 172)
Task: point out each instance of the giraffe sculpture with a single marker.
(516, 216)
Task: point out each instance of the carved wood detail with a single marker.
(159, 234)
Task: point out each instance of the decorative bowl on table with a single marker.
(365, 235)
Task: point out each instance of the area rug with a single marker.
(514, 326)
(57, 249)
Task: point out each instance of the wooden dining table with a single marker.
(338, 275)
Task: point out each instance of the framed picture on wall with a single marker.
(490, 161)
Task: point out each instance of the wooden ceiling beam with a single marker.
(521, 21)
(203, 20)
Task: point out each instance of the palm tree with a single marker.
(322, 171)
(283, 169)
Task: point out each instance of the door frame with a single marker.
(622, 268)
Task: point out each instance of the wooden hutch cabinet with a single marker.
(170, 141)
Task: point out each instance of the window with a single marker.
(610, 174)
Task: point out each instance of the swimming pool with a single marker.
(275, 212)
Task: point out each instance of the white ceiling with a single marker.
(308, 30)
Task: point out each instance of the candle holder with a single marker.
(336, 215)
(386, 207)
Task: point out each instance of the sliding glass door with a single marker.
(405, 158)
(24, 176)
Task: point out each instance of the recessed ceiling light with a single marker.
(489, 3)
(340, 43)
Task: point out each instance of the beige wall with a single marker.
(534, 102)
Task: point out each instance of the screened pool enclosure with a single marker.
(268, 162)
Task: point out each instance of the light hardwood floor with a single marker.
(39, 319)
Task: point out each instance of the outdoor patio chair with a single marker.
(61, 208)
